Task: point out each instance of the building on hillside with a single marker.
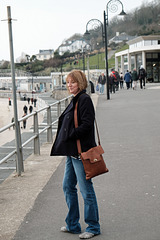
(2, 62)
(121, 37)
(143, 50)
(45, 54)
(73, 46)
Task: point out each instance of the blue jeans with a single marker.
(101, 88)
(74, 172)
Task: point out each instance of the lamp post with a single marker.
(95, 25)
(98, 54)
(112, 5)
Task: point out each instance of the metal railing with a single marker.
(47, 126)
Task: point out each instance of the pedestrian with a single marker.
(127, 78)
(9, 102)
(121, 80)
(12, 121)
(142, 76)
(134, 78)
(131, 81)
(24, 121)
(65, 144)
(111, 83)
(24, 97)
(30, 108)
(116, 80)
(28, 99)
(25, 109)
(34, 100)
(92, 86)
(101, 81)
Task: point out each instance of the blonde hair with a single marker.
(79, 77)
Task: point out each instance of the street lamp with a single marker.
(112, 5)
(95, 25)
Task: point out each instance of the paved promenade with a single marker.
(32, 207)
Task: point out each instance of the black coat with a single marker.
(102, 79)
(65, 143)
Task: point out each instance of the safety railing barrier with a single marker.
(47, 126)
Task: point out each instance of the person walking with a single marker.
(116, 79)
(121, 80)
(25, 109)
(127, 78)
(142, 76)
(131, 81)
(101, 81)
(65, 144)
(24, 121)
(111, 83)
(30, 108)
(34, 100)
(28, 99)
(134, 78)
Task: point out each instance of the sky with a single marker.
(45, 24)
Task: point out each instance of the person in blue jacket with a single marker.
(65, 144)
(127, 78)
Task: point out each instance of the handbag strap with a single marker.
(76, 125)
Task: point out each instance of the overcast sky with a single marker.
(44, 24)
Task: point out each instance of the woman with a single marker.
(65, 145)
(134, 78)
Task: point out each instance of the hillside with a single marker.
(140, 21)
(144, 20)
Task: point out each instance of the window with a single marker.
(154, 42)
(147, 43)
(139, 44)
(125, 58)
(155, 55)
(149, 55)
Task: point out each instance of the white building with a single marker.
(73, 46)
(143, 50)
(121, 37)
(45, 54)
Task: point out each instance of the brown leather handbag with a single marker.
(92, 160)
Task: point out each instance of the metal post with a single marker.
(106, 53)
(88, 68)
(66, 102)
(49, 123)
(59, 108)
(83, 61)
(19, 155)
(36, 131)
(32, 86)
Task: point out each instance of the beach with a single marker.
(6, 115)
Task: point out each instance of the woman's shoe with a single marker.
(64, 229)
(86, 235)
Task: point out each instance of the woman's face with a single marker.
(72, 86)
